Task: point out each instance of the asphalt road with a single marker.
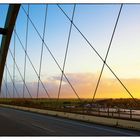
(20, 123)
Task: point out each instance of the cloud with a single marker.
(84, 84)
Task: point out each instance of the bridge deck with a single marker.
(26, 123)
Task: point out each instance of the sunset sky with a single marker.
(83, 66)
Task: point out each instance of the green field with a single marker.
(71, 103)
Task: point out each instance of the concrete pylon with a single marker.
(7, 34)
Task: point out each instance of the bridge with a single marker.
(51, 64)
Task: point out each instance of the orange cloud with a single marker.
(84, 84)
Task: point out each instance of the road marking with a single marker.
(42, 127)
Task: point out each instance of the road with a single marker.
(20, 123)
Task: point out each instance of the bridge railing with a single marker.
(130, 114)
(125, 114)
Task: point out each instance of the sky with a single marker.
(3, 12)
(83, 66)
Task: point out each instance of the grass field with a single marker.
(72, 103)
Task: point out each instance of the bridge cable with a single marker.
(14, 62)
(26, 45)
(12, 80)
(2, 93)
(97, 53)
(20, 73)
(42, 47)
(52, 55)
(109, 46)
(5, 83)
(66, 52)
(31, 63)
